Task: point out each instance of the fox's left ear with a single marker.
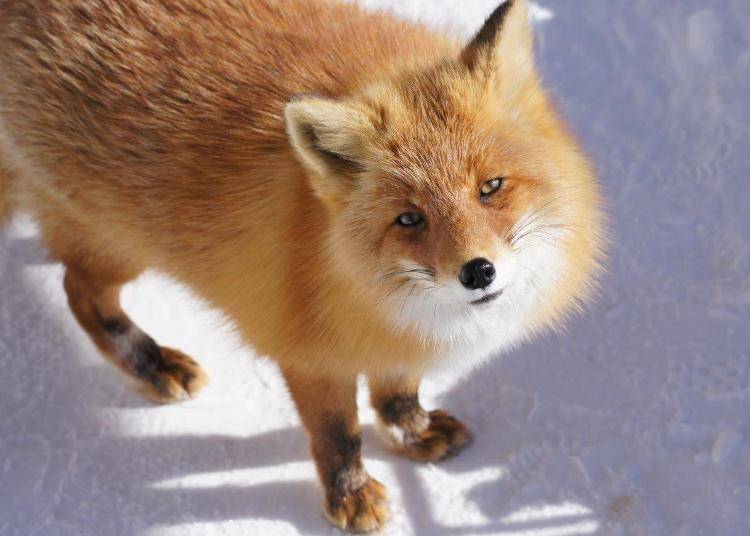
(503, 48)
(329, 137)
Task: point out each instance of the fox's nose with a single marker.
(477, 273)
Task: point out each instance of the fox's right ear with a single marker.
(329, 138)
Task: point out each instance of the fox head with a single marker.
(455, 192)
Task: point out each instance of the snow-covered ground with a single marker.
(634, 422)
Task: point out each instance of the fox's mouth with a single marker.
(488, 298)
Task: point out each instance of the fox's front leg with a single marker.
(409, 429)
(328, 409)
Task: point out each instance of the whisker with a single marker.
(392, 291)
(428, 273)
(535, 215)
(403, 303)
(541, 230)
(540, 211)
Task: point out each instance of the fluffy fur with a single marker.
(260, 152)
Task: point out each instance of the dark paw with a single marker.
(363, 510)
(176, 377)
(443, 438)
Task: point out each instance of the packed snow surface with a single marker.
(636, 421)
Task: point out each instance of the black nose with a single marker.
(477, 273)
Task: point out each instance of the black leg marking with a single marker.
(139, 352)
(145, 357)
(400, 408)
(343, 472)
(116, 327)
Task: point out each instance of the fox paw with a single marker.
(362, 510)
(442, 438)
(174, 377)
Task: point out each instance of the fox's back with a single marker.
(144, 95)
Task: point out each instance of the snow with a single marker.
(725, 444)
(632, 422)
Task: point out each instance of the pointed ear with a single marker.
(503, 47)
(329, 138)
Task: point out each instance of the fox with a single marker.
(359, 195)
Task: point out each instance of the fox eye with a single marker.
(409, 219)
(490, 187)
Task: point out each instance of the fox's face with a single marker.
(454, 191)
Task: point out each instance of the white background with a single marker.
(634, 422)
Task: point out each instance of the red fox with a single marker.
(359, 194)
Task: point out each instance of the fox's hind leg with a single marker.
(94, 275)
(162, 374)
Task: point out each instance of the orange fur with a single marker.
(6, 205)
(259, 152)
